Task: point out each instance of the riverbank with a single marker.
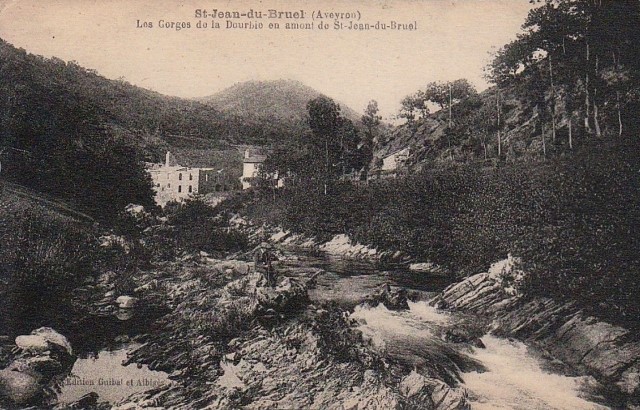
(229, 342)
(611, 354)
(340, 329)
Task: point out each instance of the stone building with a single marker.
(251, 164)
(174, 182)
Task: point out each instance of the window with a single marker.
(206, 177)
(190, 188)
(180, 176)
(168, 185)
(179, 188)
(190, 177)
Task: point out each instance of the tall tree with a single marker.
(334, 138)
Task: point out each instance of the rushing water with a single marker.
(504, 375)
(515, 379)
(509, 375)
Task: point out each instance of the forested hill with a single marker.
(150, 118)
(278, 104)
(571, 78)
(40, 86)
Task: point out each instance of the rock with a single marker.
(629, 382)
(124, 314)
(391, 298)
(126, 302)
(413, 386)
(424, 392)
(126, 406)
(20, 388)
(233, 357)
(45, 365)
(54, 338)
(134, 209)
(465, 332)
(448, 398)
(88, 401)
(427, 267)
(32, 343)
(233, 268)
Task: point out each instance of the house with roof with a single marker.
(251, 164)
(174, 182)
(391, 165)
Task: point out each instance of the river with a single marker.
(511, 376)
(504, 375)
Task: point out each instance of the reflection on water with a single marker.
(349, 281)
(104, 374)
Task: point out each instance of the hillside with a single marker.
(430, 141)
(145, 117)
(279, 104)
(554, 92)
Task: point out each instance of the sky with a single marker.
(452, 40)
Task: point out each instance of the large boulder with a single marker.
(392, 298)
(19, 387)
(54, 338)
(126, 302)
(33, 344)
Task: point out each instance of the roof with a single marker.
(254, 159)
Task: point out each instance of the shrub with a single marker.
(46, 253)
(572, 220)
(197, 227)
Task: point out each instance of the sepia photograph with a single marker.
(329, 204)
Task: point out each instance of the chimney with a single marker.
(167, 162)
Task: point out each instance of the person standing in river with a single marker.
(263, 258)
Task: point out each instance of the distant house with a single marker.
(251, 164)
(392, 164)
(173, 182)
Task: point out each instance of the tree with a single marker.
(333, 138)
(589, 53)
(413, 106)
(371, 121)
(447, 95)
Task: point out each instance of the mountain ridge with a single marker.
(284, 99)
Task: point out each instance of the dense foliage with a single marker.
(572, 76)
(571, 220)
(334, 148)
(196, 227)
(54, 139)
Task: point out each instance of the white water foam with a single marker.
(515, 380)
(423, 311)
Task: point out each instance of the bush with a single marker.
(43, 258)
(573, 221)
(46, 253)
(197, 227)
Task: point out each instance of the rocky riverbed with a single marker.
(333, 333)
